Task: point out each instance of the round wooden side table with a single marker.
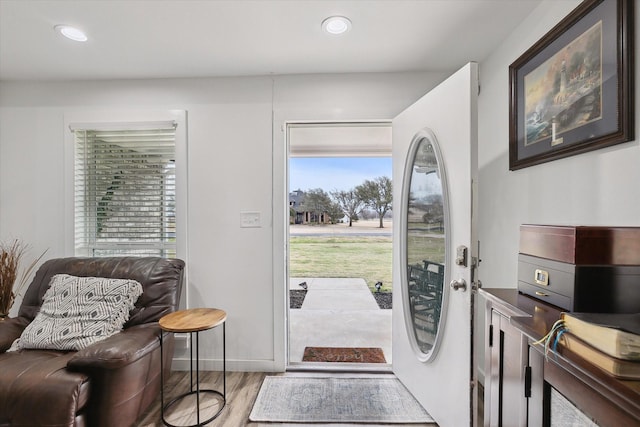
(194, 320)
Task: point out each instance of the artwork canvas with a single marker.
(565, 91)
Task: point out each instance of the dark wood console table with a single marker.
(519, 379)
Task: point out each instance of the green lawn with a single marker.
(355, 256)
(337, 256)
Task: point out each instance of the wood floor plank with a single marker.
(242, 390)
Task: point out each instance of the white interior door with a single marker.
(443, 385)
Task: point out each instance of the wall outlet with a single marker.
(250, 219)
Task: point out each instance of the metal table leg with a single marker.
(197, 392)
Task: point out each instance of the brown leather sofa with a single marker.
(109, 383)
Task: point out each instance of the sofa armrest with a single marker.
(10, 330)
(118, 350)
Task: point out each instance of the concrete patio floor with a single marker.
(337, 312)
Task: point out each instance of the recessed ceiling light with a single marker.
(336, 25)
(71, 33)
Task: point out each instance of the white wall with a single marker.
(595, 188)
(236, 162)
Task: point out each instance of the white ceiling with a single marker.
(206, 38)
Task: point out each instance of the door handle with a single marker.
(458, 284)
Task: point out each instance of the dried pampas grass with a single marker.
(10, 256)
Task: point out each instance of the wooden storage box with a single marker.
(581, 288)
(582, 245)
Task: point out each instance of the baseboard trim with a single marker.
(182, 364)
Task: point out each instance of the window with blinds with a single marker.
(125, 191)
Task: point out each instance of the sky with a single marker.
(335, 173)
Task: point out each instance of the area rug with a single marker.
(344, 354)
(336, 400)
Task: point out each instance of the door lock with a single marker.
(461, 256)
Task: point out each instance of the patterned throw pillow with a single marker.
(79, 311)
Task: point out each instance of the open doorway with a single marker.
(340, 246)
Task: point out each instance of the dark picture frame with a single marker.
(573, 91)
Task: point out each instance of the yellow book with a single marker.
(623, 369)
(617, 335)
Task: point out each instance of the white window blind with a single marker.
(125, 191)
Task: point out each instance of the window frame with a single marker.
(110, 120)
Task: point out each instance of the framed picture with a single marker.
(573, 91)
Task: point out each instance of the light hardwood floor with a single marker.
(242, 390)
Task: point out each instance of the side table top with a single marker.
(193, 320)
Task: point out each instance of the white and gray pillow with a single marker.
(79, 311)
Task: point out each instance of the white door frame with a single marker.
(281, 227)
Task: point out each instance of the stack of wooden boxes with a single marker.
(580, 268)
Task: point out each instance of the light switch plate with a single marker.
(250, 219)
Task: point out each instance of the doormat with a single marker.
(329, 400)
(344, 354)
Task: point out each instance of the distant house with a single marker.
(300, 216)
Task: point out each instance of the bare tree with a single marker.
(377, 194)
(349, 203)
(335, 212)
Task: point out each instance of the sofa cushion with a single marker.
(37, 389)
(78, 311)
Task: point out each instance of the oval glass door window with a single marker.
(425, 247)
